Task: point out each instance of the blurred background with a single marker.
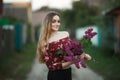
(20, 22)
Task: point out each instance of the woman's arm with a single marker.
(82, 56)
(66, 65)
(51, 63)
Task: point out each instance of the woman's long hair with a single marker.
(45, 35)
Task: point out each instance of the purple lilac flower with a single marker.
(89, 34)
(88, 31)
(73, 49)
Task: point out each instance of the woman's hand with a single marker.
(88, 57)
(82, 56)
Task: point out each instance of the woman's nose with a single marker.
(57, 23)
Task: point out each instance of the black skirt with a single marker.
(60, 74)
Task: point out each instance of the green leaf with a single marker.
(60, 52)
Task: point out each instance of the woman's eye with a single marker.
(56, 21)
(53, 21)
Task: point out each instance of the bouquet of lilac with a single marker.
(75, 48)
(72, 50)
(86, 40)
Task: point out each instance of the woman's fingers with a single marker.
(88, 57)
(82, 56)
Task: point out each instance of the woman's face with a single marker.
(55, 23)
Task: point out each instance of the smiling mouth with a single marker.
(56, 26)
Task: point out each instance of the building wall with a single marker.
(1, 6)
(117, 25)
(94, 2)
(20, 13)
(117, 35)
(37, 17)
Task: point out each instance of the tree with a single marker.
(81, 15)
(109, 4)
(84, 14)
(68, 17)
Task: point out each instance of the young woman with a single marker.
(51, 40)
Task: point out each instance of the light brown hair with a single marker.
(45, 35)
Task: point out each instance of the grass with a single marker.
(16, 66)
(107, 64)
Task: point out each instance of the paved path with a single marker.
(39, 72)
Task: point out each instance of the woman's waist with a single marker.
(66, 69)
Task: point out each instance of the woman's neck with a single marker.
(54, 33)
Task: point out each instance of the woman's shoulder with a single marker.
(59, 36)
(64, 33)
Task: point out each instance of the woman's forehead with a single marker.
(56, 17)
